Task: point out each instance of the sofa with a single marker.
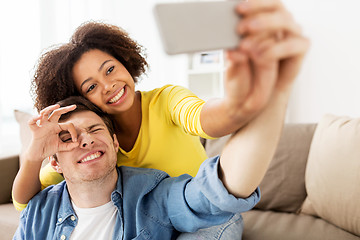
(289, 207)
(9, 217)
(311, 188)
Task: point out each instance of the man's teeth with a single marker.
(91, 157)
(117, 97)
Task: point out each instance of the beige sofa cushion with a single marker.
(333, 173)
(269, 225)
(283, 186)
(9, 221)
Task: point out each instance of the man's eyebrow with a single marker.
(100, 68)
(95, 126)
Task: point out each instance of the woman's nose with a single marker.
(108, 86)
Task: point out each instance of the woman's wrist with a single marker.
(32, 158)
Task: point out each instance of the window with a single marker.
(19, 47)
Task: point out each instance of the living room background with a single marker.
(328, 83)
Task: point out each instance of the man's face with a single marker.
(95, 157)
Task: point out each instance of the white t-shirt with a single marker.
(95, 223)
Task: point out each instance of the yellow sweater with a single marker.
(168, 139)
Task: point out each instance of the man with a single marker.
(99, 199)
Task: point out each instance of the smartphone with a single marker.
(188, 27)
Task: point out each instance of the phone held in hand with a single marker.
(189, 27)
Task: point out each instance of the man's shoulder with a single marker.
(142, 173)
(145, 178)
(49, 194)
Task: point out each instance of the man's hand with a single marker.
(273, 46)
(267, 60)
(45, 130)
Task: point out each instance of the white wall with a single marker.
(329, 81)
(19, 48)
(28, 30)
(330, 78)
(135, 16)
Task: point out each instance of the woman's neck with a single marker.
(128, 124)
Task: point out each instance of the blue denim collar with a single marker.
(66, 210)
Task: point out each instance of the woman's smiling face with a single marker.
(103, 80)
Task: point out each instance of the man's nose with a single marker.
(86, 140)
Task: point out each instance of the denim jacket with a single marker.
(151, 205)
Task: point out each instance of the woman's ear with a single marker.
(55, 165)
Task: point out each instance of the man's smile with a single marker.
(91, 157)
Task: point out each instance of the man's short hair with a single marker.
(82, 104)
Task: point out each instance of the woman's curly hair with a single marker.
(53, 80)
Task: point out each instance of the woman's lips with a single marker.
(117, 97)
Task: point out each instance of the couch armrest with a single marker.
(9, 167)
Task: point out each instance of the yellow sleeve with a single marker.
(18, 206)
(48, 176)
(185, 108)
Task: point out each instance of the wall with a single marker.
(29, 30)
(328, 83)
(330, 79)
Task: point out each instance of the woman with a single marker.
(159, 128)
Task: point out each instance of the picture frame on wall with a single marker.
(207, 60)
